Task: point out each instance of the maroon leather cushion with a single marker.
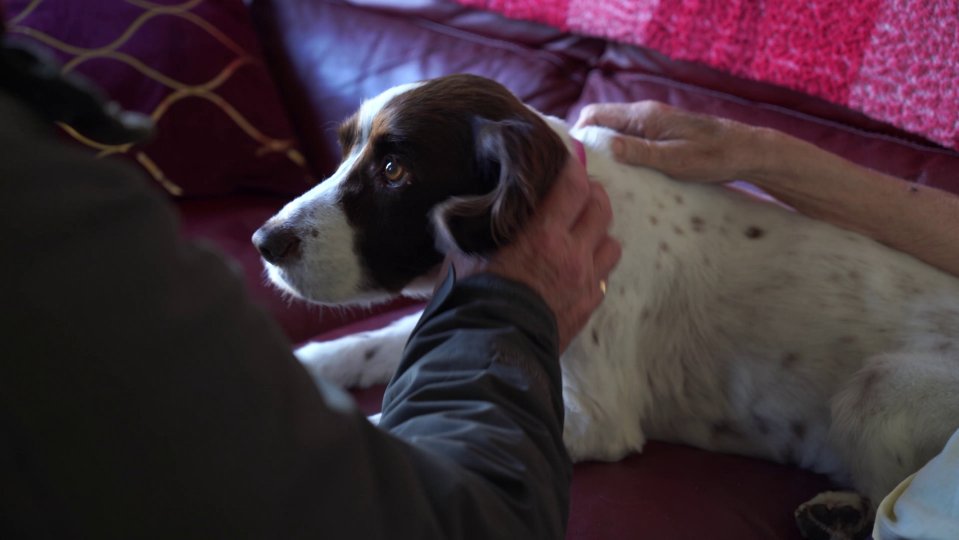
(196, 68)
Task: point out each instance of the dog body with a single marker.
(730, 324)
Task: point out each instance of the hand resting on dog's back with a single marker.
(915, 219)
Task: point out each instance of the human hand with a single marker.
(563, 252)
(684, 145)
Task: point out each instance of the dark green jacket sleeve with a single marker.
(479, 395)
(143, 396)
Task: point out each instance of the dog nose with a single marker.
(277, 245)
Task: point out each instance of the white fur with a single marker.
(330, 249)
(730, 324)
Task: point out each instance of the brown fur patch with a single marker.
(698, 223)
(462, 140)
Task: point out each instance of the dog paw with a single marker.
(835, 515)
(351, 362)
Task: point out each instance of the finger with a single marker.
(594, 221)
(568, 196)
(612, 115)
(636, 151)
(606, 257)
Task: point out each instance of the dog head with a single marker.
(456, 163)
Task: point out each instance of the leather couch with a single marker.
(327, 55)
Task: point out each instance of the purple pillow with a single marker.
(196, 67)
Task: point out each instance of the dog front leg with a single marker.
(359, 360)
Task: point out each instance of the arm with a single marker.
(915, 219)
(478, 397)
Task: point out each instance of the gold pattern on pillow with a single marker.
(176, 91)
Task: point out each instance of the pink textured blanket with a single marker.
(894, 60)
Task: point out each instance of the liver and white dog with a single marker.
(731, 324)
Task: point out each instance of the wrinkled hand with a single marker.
(684, 145)
(562, 253)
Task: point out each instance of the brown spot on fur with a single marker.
(698, 223)
(314, 233)
(644, 314)
(678, 230)
(678, 199)
(370, 353)
(653, 220)
(595, 337)
(752, 232)
(664, 247)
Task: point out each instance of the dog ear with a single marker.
(517, 161)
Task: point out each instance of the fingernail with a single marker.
(618, 147)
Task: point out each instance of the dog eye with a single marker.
(394, 173)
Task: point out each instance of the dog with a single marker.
(731, 324)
